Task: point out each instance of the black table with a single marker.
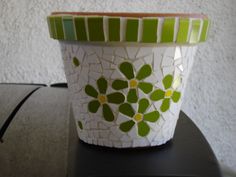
(187, 155)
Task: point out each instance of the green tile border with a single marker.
(137, 30)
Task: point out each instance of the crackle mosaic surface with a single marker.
(126, 96)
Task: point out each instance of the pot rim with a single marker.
(133, 14)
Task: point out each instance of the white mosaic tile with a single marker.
(132, 52)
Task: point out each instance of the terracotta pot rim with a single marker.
(135, 14)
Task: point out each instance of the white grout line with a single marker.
(140, 30)
(86, 27)
(123, 22)
(105, 28)
(176, 29)
(159, 29)
(189, 30)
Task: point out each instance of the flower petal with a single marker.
(132, 96)
(119, 84)
(91, 91)
(80, 125)
(165, 104)
(76, 62)
(93, 106)
(116, 98)
(144, 72)
(145, 87)
(143, 128)
(127, 109)
(127, 69)
(167, 81)
(176, 96)
(151, 116)
(126, 126)
(157, 95)
(143, 104)
(107, 113)
(102, 85)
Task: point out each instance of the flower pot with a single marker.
(127, 72)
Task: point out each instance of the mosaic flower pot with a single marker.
(127, 72)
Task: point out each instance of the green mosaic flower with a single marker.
(102, 99)
(133, 82)
(140, 118)
(168, 94)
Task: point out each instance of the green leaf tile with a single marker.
(107, 113)
(176, 96)
(127, 126)
(126, 109)
(143, 104)
(152, 116)
(80, 125)
(165, 104)
(116, 98)
(168, 30)
(76, 61)
(59, 28)
(182, 36)
(132, 30)
(119, 84)
(114, 29)
(204, 32)
(143, 129)
(195, 31)
(89, 90)
(80, 28)
(127, 69)
(102, 85)
(93, 106)
(132, 96)
(149, 30)
(157, 95)
(145, 87)
(69, 28)
(167, 81)
(144, 72)
(95, 28)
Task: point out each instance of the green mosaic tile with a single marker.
(132, 96)
(114, 29)
(143, 128)
(126, 109)
(52, 29)
(89, 90)
(69, 28)
(131, 34)
(182, 36)
(127, 126)
(80, 28)
(167, 81)
(102, 85)
(76, 62)
(204, 32)
(176, 96)
(127, 69)
(144, 72)
(59, 27)
(195, 31)
(168, 30)
(145, 87)
(95, 29)
(149, 30)
(93, 106)
(119, 84)
(116, 98)
(151, 116)
(107, 113)
(143, 104)
(80, 125)
(165, 105)
(157, 95)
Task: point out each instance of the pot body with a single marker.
(126, 95)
